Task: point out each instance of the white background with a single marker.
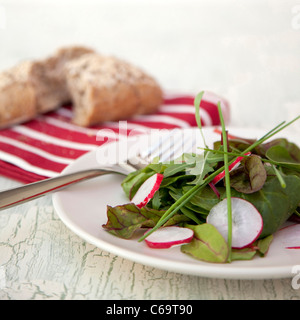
(247, 51)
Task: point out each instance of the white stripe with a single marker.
(35, 150)
(106, 125)
(69, 126)
(64, 112)
(162, 119)
(206, 118)
(26, 166)
(47, 138)
(173, 95)
(178, 108)
(209, 97)
(213, 98)
(130, 126)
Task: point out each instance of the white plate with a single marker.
(82, 208)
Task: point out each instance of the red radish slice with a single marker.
(231, 167)
(168, 237)
(146, 191)
(289, 236)
(247, 223)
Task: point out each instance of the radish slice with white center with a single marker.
(146, 191)
(168, 237)
(231, 167)
(247, 223)
(289, 236)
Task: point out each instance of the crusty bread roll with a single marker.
(34, 87)
(17, 95)
(106, 88)
(49, 80)
(101, 88)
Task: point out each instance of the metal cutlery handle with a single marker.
(19, 195)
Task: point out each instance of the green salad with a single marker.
(264, 173)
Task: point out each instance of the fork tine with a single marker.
(154, 149)
(175, 144)
(166, 147)
(185, 144)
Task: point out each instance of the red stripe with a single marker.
(89, 132)
(48, 147)
(156, 124)
(58, 132)
(209, 107)
(188, 117)
(212, 109)
(188, 100)
(32, 158)
(11, 171)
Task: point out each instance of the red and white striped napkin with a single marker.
(43, 147)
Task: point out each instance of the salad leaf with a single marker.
(275, 204)
(284, 156)
(207, 244)
(124, 220)
(291, 147)
(251, 177)
(243, 254)
(260, 247)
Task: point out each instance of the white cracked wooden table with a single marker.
(40, 258)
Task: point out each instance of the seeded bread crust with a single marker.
(17, 95)
(48, 77)
(34, 87)
(100, 88)
(105, 88)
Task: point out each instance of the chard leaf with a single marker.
(130, 180)
(207, 245)
(124, 220)
(137, 182)
(263, 245)
(235, 144)
(291, 147)
(281, 155)
(251, 177)
(260, 247)
(243, 254)
(274, 203)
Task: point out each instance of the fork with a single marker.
(16, 196)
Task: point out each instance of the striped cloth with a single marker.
(43, 147)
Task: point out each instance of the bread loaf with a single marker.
(17, 95)
(100, 88)
(105, 88)
(49, 80)
(34, 87)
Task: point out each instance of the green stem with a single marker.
(233, 154)
(227, 183)
(279, 177)
(197, 102)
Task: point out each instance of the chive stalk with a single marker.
(227, 183)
